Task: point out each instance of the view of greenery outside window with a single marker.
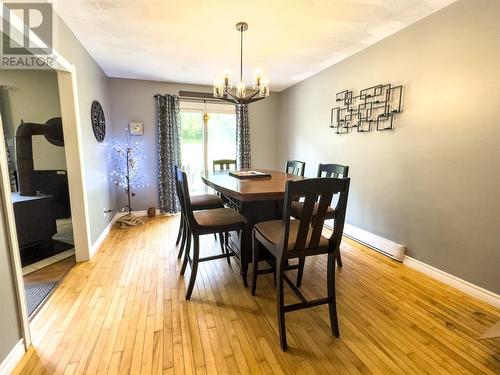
(221, 137)
(192, 155)
(220, 143)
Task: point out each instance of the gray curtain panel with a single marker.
(243, 157)
(169, 150)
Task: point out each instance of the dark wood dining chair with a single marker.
(328, 171)
(198, 202)
(324, 170)
(289, 239)
(333, 170)
(223, 164)
(295, 167)
(202, 222)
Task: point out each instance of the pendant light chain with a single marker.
(241, 55)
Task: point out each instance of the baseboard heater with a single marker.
(380, 244)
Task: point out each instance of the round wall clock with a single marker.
(98, 121)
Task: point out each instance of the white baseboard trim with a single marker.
(462, 285)
(97, 244)
(397, 251)
(380, 244)
(140, 213)
(10, 362)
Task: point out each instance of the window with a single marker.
(201, 142)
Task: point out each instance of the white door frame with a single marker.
(70, 113)
(15, 256)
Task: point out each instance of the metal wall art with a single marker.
(98, 121)
(374, 107)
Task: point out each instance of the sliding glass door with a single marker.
(221, 137)
(192, 147)
(208, 133)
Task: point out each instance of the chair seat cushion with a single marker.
(298, 207)
(272, 231)
(206, 201)
(219, 218)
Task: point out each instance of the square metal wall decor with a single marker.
(136, 128)
(374, 107)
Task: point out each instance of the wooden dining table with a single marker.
(257, 199)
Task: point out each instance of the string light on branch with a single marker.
(125, 167)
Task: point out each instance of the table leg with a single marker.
(254, 212)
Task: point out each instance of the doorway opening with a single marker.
(208, 133)
(35, 153)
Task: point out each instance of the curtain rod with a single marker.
(195, 96)
(191, 99)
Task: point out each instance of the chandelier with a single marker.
(223, 88)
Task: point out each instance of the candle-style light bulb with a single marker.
(227, 79)
(241, 90)
(218, 88)
(264, 88)
(258, 75)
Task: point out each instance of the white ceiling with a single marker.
(193, 41)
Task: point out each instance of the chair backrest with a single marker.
(333, 170)
(223, 164)
(174, 173)
(184, 197)
(320, 191)
(295, 167)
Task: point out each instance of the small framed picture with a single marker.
(136, 128)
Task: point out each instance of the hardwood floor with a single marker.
(125, 313)
(54, 272)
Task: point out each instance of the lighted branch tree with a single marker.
(125, 174)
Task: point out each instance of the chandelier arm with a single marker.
(254, 100)
(252, 96)
(229, 100)
(234, 98)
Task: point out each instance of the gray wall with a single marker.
(10, 329)
(92, 85)
(432, 183)
(132, 101)
(39, 89)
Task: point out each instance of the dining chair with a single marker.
(324, 170)
(198, 202)
(202, 222)
(328, 171)
(288, 239)
(223, 164)
(295, 167)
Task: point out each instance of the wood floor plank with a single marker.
(124, 312)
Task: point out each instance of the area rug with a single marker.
(37, 293)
